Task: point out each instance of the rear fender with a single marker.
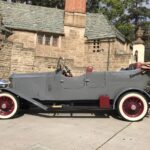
(18, 94)
(130, 90)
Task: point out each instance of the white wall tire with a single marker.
(132, 106)
(8, 106)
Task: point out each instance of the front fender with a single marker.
(15, 92)
(129, 90)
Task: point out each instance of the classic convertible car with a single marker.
(127, 91)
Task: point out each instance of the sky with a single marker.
(148, 5)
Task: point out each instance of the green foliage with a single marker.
(137, 12)
(92, 5)
(49, 3)
(126, 15)
(112, 8)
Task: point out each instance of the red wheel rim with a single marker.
(133, 107)
(7, 105)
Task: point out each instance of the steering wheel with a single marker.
(59, 64)
(62, 67)
(67, 72)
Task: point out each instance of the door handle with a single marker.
(87, 80)
(61, 81)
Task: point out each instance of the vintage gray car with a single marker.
(126, 91)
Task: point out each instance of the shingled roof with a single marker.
(36, 18)
(33, 18)
(98, 27)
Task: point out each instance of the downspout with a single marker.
(108, 58)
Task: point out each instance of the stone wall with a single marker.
(22, 59)
(5, 60)
(99, 59)
(118, 61)
(120, 55)
(24, 55)
(107, 59)
(14, 58)
(28, 39)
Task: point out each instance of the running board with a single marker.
(75, 108)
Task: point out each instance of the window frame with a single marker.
(94, 46)
(44, 41)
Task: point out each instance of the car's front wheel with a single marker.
(133, 106)
(8, 106)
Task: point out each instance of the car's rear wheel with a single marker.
(8, 106)
(133, 106)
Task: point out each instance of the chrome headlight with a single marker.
(4, 84)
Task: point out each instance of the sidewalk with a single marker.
(80, 132)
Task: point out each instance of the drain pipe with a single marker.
(108, 58)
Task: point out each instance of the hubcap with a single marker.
(133, 107)
(6, 105)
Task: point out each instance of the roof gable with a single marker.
(98, 27)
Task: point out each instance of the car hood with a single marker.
(30, 75)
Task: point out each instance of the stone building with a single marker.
(41, 35)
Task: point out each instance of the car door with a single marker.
(72, 82)
(96, 82)
(96, 79)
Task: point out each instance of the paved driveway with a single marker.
(79, 132)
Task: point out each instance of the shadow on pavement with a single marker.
(72, 114)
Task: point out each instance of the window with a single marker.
(48, 39)
(95, 46)
(55, 41)
(40, 38)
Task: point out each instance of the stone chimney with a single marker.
(75, 6)
(75, 13)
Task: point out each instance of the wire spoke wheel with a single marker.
(133, 106)
(8, 106)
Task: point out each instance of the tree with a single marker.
(136, 14)
(126, 15)
(18, 1)
(92, 5)
(49, 3)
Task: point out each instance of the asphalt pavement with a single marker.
(77, 131)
